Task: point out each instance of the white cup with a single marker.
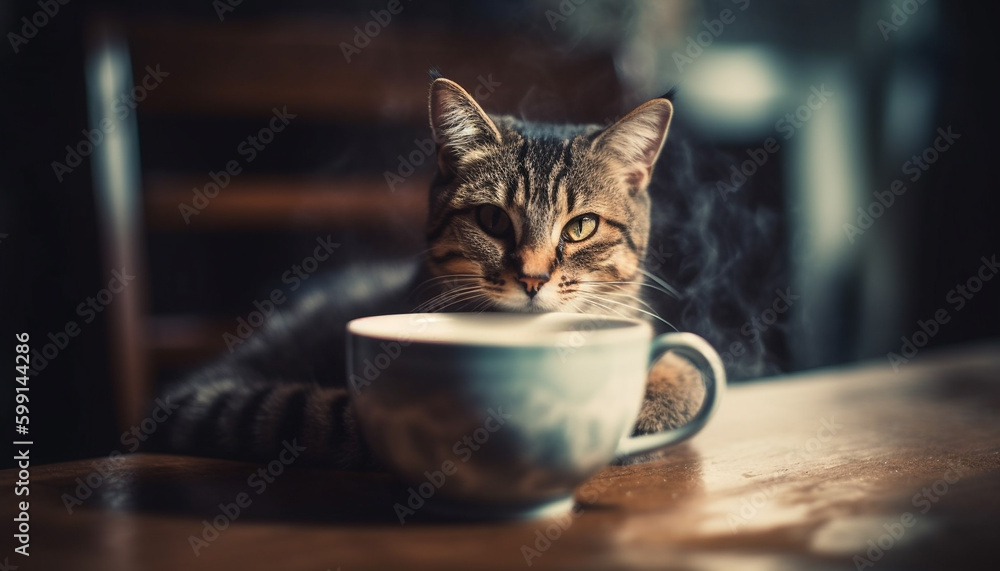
(499, 415)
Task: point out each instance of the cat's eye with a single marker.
(493, 220)
(580, 228)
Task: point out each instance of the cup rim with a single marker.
(625, 330)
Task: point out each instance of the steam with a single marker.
(723, 255)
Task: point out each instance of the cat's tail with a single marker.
(256, 420)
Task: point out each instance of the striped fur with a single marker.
(541, 177)
(286, 383)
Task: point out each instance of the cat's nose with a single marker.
(533, 283)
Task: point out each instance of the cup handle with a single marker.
(707, 360)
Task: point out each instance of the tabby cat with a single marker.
(523, 217)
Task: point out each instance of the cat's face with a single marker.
(535, 218)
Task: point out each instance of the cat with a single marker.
(523, 217)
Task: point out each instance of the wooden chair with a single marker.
(242, 71)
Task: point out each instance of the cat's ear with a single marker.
(635, 141)
(459, 125)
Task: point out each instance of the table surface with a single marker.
(833, 469)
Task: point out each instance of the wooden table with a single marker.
(833, 469)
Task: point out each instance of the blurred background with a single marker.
(827, 191)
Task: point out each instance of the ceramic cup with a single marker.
(499, 415)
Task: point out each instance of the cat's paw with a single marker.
(674, 393)
(675, 390)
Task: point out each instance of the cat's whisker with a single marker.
(641, 284)
(430, 302)
(661, 282)
(448, 277)
(625, 295)
(458, 293)
(443, 298)
(442, 302)
(612, 309)
(451, 283)
(633, 308)
(437, 305)
(575, 307)
(652, 314)
(483, 305)
(444, 289)
(438, 280)
(461, 299)
(637, 299)
(605, 308)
